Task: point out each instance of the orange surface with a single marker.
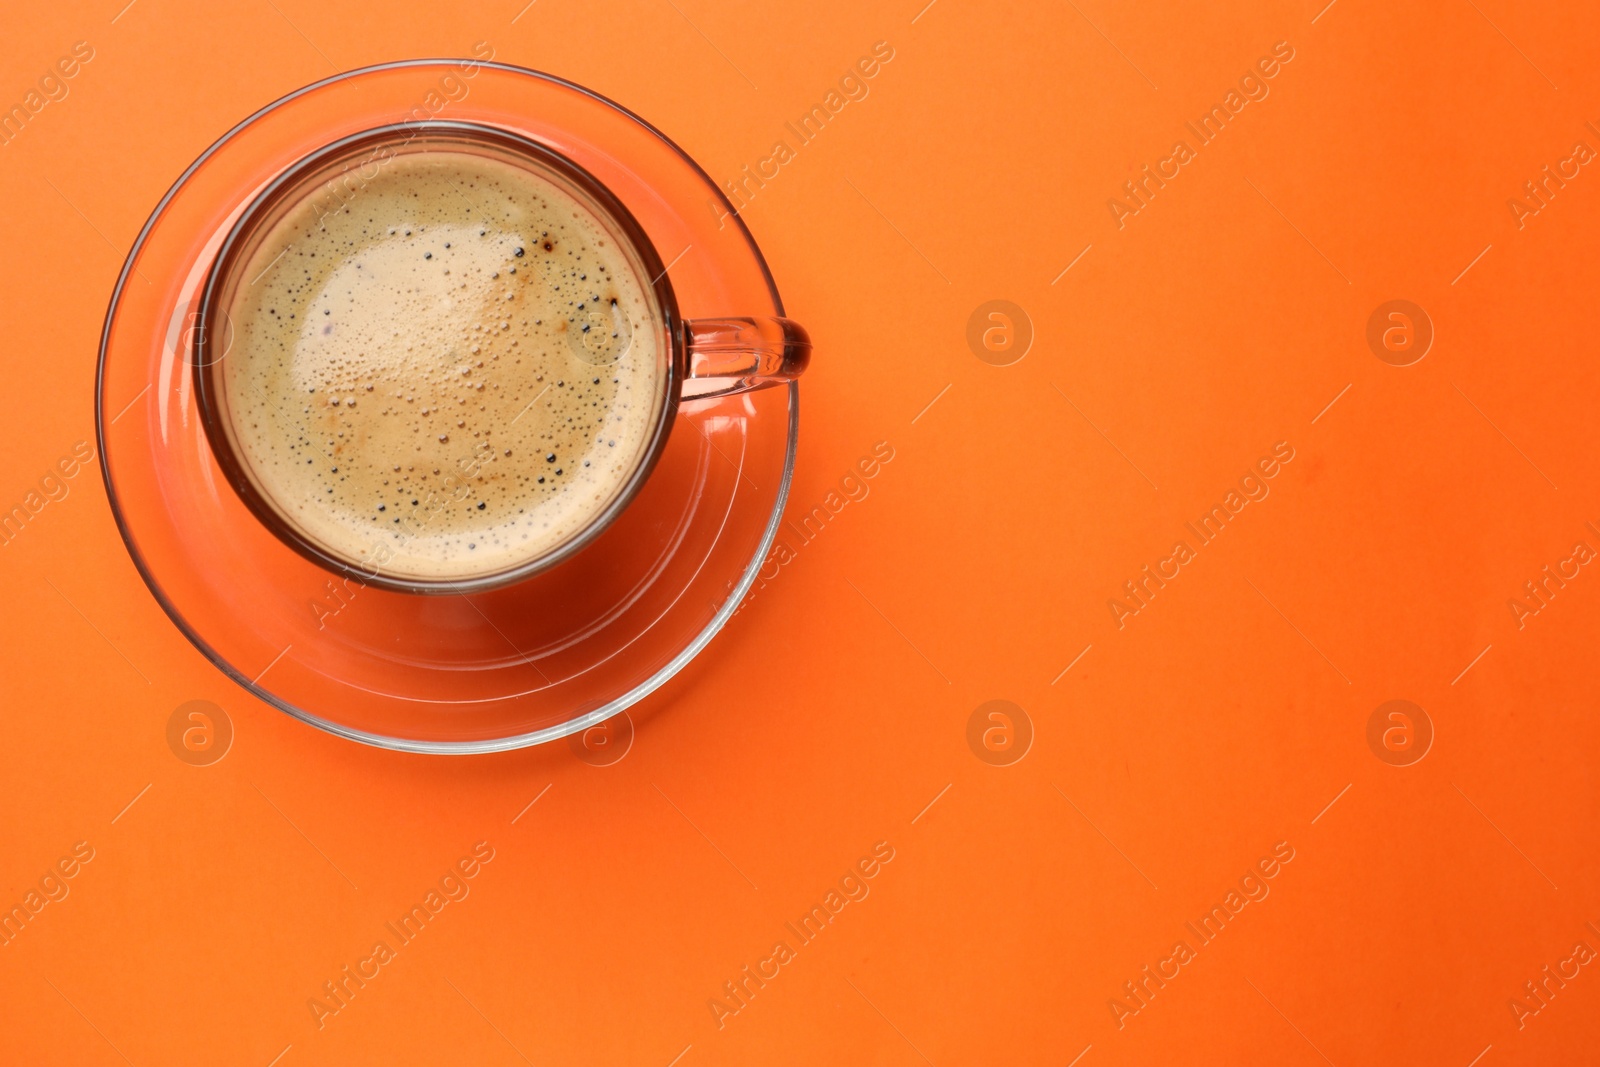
(1187, 753)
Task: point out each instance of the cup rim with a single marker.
(212, 409)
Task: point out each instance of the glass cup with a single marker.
(699, 358)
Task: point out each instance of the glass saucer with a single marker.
(528, 663)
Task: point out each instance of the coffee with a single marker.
(452, 370)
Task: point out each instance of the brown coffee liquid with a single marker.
(450, 375)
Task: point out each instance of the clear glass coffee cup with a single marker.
(696, 359)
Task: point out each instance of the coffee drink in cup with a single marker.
(449, 369)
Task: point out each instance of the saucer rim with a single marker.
(418, 745)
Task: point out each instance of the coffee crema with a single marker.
(451, 375)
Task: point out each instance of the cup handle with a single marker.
(736, 355)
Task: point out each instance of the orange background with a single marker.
(1177, 751)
